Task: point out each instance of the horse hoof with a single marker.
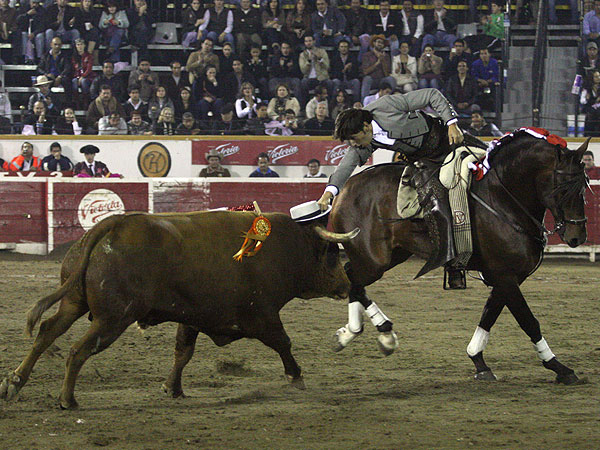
(343, 337)
(387, 342)
(172, 393)
(10, 387)
(68, 405)
(569, 379)
(486, 375)
(298, 383)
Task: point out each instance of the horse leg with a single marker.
(50, 329)
(184, 349)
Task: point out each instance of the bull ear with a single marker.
(583, 148)
(336, 237)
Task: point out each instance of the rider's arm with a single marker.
(354, 157)
(422, 98)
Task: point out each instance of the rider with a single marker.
(395, 122)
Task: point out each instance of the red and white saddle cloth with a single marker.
(480, 168)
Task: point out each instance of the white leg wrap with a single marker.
(355, 316)
(543, 350)
(478, 341)
(376, 315)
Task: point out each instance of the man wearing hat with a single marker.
(44, 95)
(56, 161)
(214, 169)
(89, 167)
(589, 62)
(376, 67)
(227, 125)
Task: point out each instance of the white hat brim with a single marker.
(323, 213)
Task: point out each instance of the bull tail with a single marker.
(89, 242)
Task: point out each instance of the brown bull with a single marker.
(154, 268)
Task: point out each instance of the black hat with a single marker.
(89, 149)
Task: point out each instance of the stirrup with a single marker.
(454, 278)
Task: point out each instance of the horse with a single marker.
(528, 175)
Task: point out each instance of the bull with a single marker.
(153, 268)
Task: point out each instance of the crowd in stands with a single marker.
(246, 68)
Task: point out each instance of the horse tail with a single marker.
(89, 242)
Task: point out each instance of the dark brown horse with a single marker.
(528, 176)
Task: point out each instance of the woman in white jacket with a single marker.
(245, 105)
(404, 69)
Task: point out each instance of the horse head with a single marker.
(566, 199)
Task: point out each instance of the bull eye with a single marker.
(333, 253)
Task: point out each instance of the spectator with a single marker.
(104, 105)
(188, 125)
(25, 162)
(314, 65)
(8, 29)
(440, 26)
(246, 26)
(82, 72)
(430, 69)
(60, 19)
(208, 93)
(258, 69)
(358, 27)
(137, 126)
(56, 66)
(184, 103)
(67, 123)
(32, 25)
(412, 27)
(376, 67)
(245, 105)
(297, 25)
(284, 69)
(38, 122)
(591, 25)
(3, 165)
(288, 126)
(226, 58)
(588, 161)
(5, 105)
(320, 97)
(165, 124)
(112, 125)
(256, 125)
(282, 102)
(386, 24)
(87, 19)
(384, 89)
(235, 80)
(487, 73)
(493, 29)
(214, 168)
(90, 167)
(328, 25)
(340, 102)
(200, 59)
(457, 54)
(344, 70)
(109, 78)
(404, 70)
(263, 167)
(135, 103)
(479, 127)
(113, 27)
(140, 25)
(273, 20)
(461, 90)
(320, 125)
(175, 80)
(56, 161)
(590, 61)
(44, 95)
(227, 125)
(158, 103)
(590, 102)
(314, 169)
(145, 79)
(193, 17)
(218, 23)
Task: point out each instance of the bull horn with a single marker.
(336, 237)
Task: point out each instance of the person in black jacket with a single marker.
(344, 70)
(86, 22)
(227, 125)
(246, 26)
(56, 161)
(140, 25)
(358, 26)
(193, 17)
(320, 125)
(38, 122)
(440, 26)
(284, 68)
(462, 89)
(233, 81)
(56, 66)
(392, 28)
(109, 78)
(60, 19)
(32, 25)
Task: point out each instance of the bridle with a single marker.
(560, 220)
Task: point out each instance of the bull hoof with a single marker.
(569, 379)
(343, 337)
(171, 392)
(485, 375)
(298, 383)
(387, 342)
(10, 386)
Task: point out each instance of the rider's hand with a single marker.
(323, 202)
(455, 135)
